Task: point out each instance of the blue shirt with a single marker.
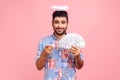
(60, 64)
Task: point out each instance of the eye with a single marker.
(56, 22)
(63, 22)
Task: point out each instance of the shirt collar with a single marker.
(54, 37)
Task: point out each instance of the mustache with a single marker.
(59, 28)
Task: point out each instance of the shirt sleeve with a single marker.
(39, 50)
(81, 56)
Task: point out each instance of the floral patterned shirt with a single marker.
(60, 64)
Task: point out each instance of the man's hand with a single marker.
(40, 63)
(48, 49)
(75, 50)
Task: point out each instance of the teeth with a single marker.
(71, 39)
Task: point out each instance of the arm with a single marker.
(78, 61)
(40, 63)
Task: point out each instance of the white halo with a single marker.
(56, 7)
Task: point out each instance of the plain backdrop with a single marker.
(24, 22)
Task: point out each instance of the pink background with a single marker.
(24, 22)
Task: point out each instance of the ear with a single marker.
(52, 22)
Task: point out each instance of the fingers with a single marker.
(75, 47)
(48, 49)
(75, 50)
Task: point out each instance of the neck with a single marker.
(59, 36)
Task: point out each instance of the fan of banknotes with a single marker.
(71, 39)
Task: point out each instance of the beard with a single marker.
(56, 31)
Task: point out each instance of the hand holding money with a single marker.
(75, 50)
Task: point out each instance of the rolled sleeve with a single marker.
(39, 50)
(81, 56)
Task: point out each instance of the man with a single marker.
(58, 64)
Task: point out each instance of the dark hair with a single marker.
(60, 14)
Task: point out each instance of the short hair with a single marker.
(60, 14)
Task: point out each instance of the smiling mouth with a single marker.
(59, 28)
(60, 31)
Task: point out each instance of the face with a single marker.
(60, 25)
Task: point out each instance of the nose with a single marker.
(60, 24)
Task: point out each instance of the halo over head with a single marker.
(59, 8)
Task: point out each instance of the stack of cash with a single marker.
(71, 39)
